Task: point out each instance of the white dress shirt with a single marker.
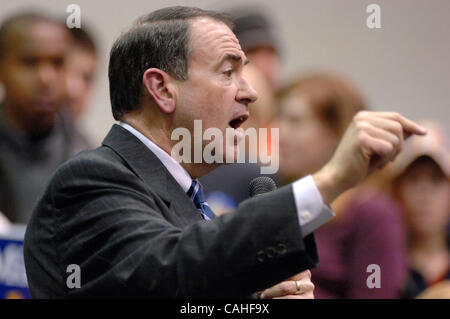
(311, 210)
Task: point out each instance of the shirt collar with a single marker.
(175, 169)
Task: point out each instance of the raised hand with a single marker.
(371, 141)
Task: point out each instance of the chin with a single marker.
(234, 150)
(43, 125)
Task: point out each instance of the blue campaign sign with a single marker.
(13, 279)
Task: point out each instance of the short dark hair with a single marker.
(26, 19)
(158, 40)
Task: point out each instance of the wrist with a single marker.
(328, 183)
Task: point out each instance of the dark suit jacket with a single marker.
(121, 216)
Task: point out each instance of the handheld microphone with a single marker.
(261, 185)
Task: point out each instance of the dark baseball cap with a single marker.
(254, 29)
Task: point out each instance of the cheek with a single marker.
(441, 203)
(58, 84)
(199, 103)
(295, 153)
(216, 107)
(19, 81)
(311, 142)
(410, 195)
(428, 209)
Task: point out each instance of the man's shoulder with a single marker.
(89, 166)
(92, 178)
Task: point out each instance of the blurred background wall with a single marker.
(404, 66)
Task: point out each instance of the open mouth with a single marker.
(237, 122)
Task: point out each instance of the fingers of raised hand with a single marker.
(385, 138)
(408, 126)
(382, 133)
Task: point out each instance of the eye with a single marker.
(58, 62)
(228, 72)
(30, 61)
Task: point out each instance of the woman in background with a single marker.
(420, 182)
(367, 229)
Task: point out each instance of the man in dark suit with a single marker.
(130, 220)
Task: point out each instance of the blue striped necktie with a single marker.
(196, 195)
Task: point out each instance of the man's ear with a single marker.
(159, 85)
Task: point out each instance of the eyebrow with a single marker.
(234, 57)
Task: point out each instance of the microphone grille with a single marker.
(260, 185)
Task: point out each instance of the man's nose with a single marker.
(46, 74)
(246, 93)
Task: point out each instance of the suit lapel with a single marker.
(152, 172)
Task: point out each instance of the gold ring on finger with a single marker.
(299, 287)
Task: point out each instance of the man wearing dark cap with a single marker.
(258, 38)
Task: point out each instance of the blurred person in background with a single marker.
(35, 135)
(420, 182)
(314, 113)
(4, 224)
(227, 186)
(81, 71)
(259, 39)
(4, 196)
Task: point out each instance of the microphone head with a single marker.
(260, 185)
